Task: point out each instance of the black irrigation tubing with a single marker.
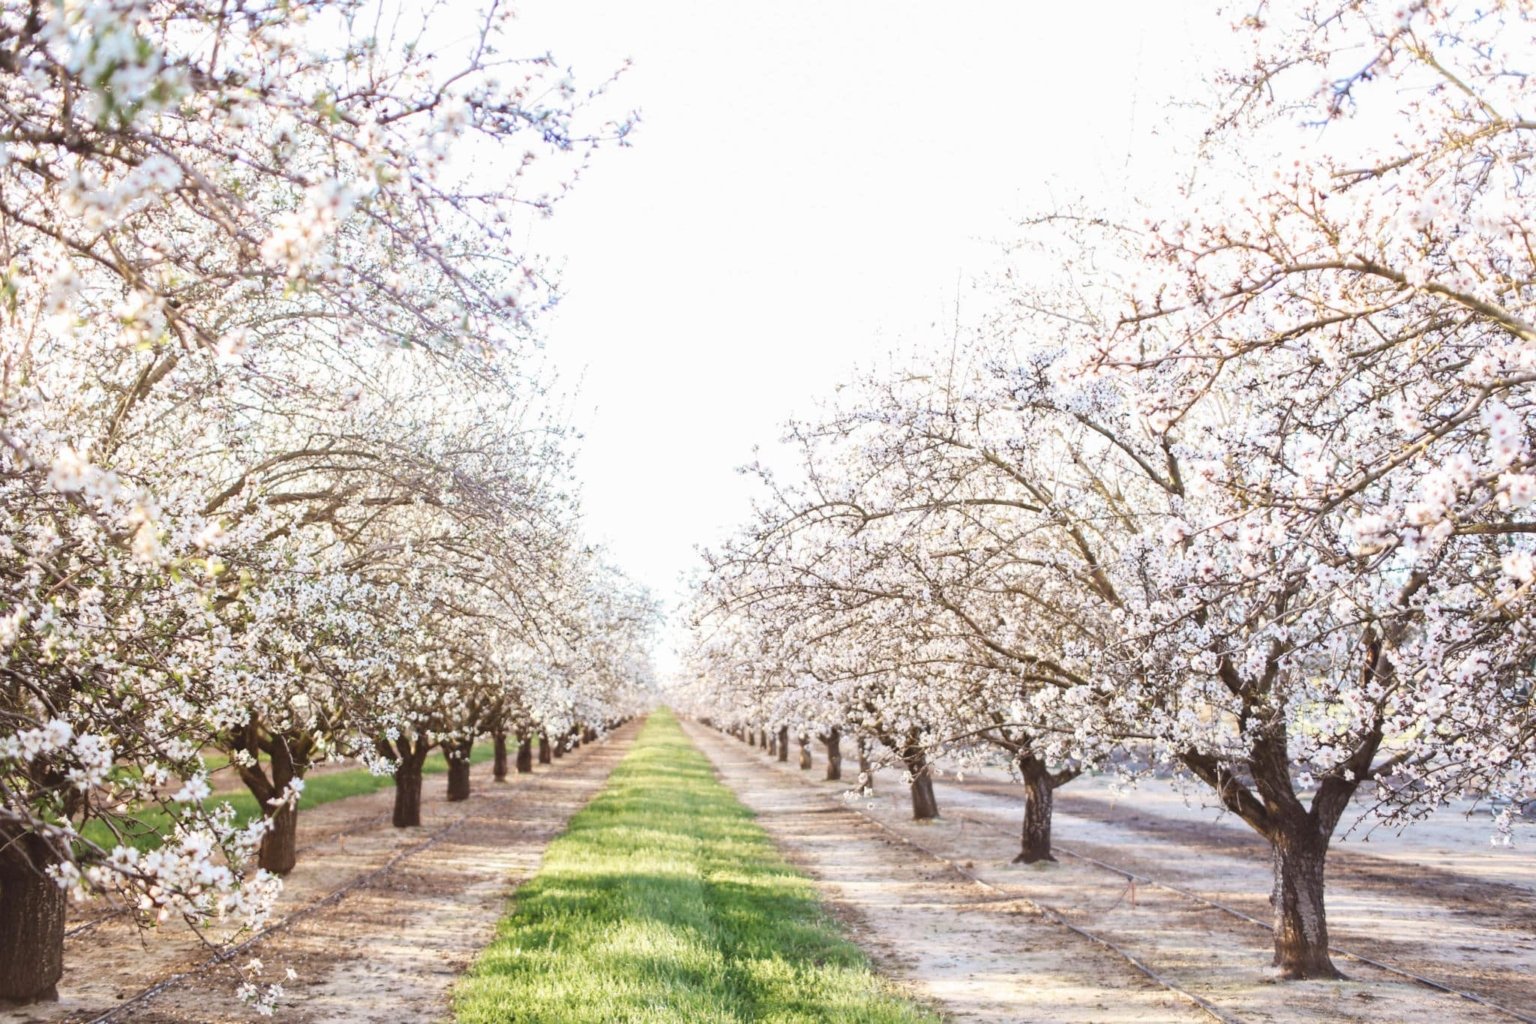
(95, 922)
(1056, 917)
(1242, 916)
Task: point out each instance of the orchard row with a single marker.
(279, 480)
(1240, 489)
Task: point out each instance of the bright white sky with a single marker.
(810, 183)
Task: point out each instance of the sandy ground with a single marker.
(951, 943)
(978, 962)
(386, 950)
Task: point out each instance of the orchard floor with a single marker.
(381, 920)
(978, 954)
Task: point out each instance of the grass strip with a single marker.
(665, 902)
(146, 827)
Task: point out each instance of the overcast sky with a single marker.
(809, 183)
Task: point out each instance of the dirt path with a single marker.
(379, 920)
(952, 944)
(1454, 928)
(1062, 976)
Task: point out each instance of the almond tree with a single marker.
(194, 197)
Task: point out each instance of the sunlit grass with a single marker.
(665, 902)
(145, 828)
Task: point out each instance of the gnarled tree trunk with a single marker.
(832, 740)
(1301, 922)
(546, 756)
(925, 805)
(783, 748)
(31, 920)
(805, 752)
(1039, 801)
(279, 848)
(524, 755)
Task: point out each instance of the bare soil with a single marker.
(951, 943)
(977, 957)
(375, 921)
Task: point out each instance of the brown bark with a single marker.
(925, 805)
(288, 760)
(499, 768)
(279, 850)
(31, 921)
(805, 752)
(409, 757)
(1301, 922)
(407, 796)
(832, 740)
(524, 756)
(1039, 801)
(545, 754)
(773, 745)
(783, 740)
(866, 770)
(1298, 839)
(457, 754)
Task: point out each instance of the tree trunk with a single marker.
(31, 921)
(866, 770)
(925, 806)
(408, 793)
(1039, 801)
(833, 741)
(458, 769)
(773, 745)
(751, 737)
(279, 850)
(1301, 922)
(805, 752)
(545, 755)
(499, 771)
(762, 738)
(524, 756)
(784, 744)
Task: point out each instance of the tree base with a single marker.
(1315, 972)
(1031, 857)
(48, 995)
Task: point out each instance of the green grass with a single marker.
(148, 825)
(665, 902)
